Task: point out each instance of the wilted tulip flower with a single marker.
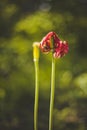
(51, 43)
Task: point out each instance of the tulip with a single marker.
(58, 48)
(52, 43)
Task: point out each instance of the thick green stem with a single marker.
(36, 94)
(52, 94)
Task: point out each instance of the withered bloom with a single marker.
(51, 43)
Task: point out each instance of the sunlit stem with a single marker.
(36, 94)
(36, 63)
(52, 94)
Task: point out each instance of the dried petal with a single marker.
(61, 50)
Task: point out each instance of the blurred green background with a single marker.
(23, 22)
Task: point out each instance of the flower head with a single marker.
(52, 43)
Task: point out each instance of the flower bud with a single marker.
(36, 51)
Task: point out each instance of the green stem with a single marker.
(52, 94)
(36, 94)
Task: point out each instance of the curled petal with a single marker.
(61, 50)
(45, 46)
